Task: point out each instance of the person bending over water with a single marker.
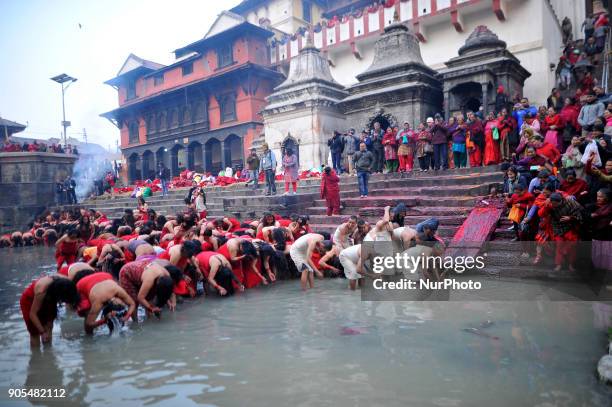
(301, 253)
(98, 291)
(39, 305)
(67, 248)
(145, 280)
(350, 258)
(218, 271)
(343, 233)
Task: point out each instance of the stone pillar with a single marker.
(144, 170)
(485, 99)
(224, 154)
(447, 104)
(204, 160)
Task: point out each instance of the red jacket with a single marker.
(330, 186)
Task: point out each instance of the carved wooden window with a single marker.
(133, 132)
(131, 90)
(188, 69)
(227, 106)
(225, 55)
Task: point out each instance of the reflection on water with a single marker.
(279, 346)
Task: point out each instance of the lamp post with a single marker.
(64, 80)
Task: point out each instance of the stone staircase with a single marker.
(448, 195)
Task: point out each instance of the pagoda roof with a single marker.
(226, 25)
(134, 66)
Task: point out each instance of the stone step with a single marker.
(408, 200)
(410, 220)
(445, 231)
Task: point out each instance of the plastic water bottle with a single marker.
(200, 287)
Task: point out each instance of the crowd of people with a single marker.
(107, 268)
(12, 147)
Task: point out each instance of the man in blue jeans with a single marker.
(336, 146)
(364, 161)
(267, 164)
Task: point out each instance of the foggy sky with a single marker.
(41, 39)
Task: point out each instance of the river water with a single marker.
(277, 346)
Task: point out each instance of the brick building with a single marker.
(202, 111)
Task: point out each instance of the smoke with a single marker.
(87, 170)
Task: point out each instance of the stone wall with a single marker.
(27, 185)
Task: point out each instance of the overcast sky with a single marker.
(41, 38)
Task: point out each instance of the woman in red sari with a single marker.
(330, 191)
(505, 124)
(492, 154)
(553, 126)
(390, 145)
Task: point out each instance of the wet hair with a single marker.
(207, 232)
(280, 241)
(247, 249)
(327, 245)
(176, 274)
(62, 290)
(189, 249)
(28, 240)
(278, 260)
(361, 222)
(224, 279)
(267, 215)
(51, 236)
(73, 232)
(163, 290)
(145, 229)
(39, 233)
(160, 221)
(82, 274)
(326, 235)
(115, 224)
(111, 266)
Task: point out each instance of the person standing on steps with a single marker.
(253, 164)
(267, 164)
(163, 174)
(439, 139)
(351, 144)
(364, 163)
(377, 134)
(290, 169)
(336, 146)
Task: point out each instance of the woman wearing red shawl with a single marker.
(330, 191)
(546, 149)
(576, 187)
(554, 127)
(505, 124)
(390, 145)
(492, 155)
(569, 114)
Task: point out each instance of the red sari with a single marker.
(553, 135)
(492, 154)
(330, 191)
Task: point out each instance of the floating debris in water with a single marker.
(357, 330)
(478, 332)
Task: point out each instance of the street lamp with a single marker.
(65, 81)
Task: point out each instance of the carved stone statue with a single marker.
(566, 29)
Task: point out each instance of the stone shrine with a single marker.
(484, 63)
(303, 111)
(398, 86)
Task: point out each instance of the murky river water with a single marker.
(277, 346)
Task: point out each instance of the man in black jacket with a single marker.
(163, 174)
(336, 145)
(377, 135)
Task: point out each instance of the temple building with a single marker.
(290, 72)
